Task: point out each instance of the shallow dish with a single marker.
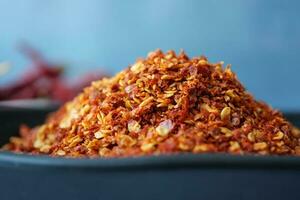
(184, 176)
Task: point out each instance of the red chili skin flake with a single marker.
(163, 104)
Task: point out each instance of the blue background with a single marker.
(259, 38)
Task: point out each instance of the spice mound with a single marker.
(163, 104)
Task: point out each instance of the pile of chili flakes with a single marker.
(163, 104)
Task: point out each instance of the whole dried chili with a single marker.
(44, 80)
(163, 104)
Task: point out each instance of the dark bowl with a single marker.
(184, 176)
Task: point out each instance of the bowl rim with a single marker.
(183, 160)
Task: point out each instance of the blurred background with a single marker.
(261, 39)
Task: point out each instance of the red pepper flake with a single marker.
(162, 104)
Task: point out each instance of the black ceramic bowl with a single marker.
(185, 176)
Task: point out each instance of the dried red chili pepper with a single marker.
(44, 80)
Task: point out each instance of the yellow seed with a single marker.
(45, 148)
(168, 95)
(260, 146)
(170, 91)
(227, 98)
(99, 134)
(94, 144)
(61, 153)
(183, 146)
(189, 121)
(165, 77)
(162, 105)
(146, 101)
(147, 146)
(65, 123)
(280, 143)
(225, 113)
(103, 151)
(85, 109)
(226, 131)
(234, 146)
(197, 116)
(251, 136)
(86, 124)
(38, 143)
(200, 148)
(169, 56)
(73, 129)
(228, 70)
(148, 90)
(136, 68)
(126, 141)
(133, 126)
(278, 136)
(156, 60)
(136, 100)
(41, 132)
(162, 131)
(208, 108)
(75, 141)
(99, 117)
(51, 137)
(128, 104)
(258, 134)
(230, 93)
(202, 62)
(164, 128)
